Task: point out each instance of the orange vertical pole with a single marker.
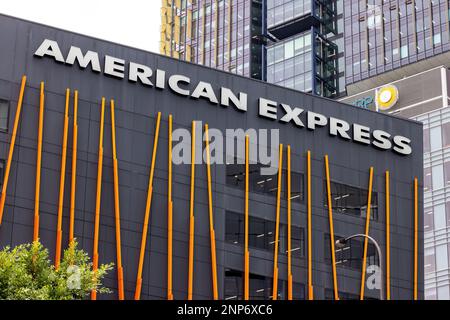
(310, 286)
(416, 237)
(289, 247)
(191, 217)
(330, 220)
(170, 216)
(388, 238)
(98, 198)
(117, 206)
(246, 251)
(366, 240)
(11, 146)
(38, 164)
(61, 182)
(137, 293)
(277, 226)
(73, 184)
(212, 236)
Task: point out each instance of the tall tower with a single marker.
(215, 33)
(302, 52)
(292, 43)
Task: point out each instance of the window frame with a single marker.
(374, 205)
(8, 105)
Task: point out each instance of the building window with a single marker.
(4, 112)
(435, 139)
(439, 217)
(297, 241)
(445, 135)
(292, 58)
(428, 220)
(447, 173)
(261, 233)
(260, 286)
(441, 257)
(329, 295)
(265, 184)
(427, 179)
(298, 291)
(437, 174)
(426, 140)
(288, 50)
(404, 52)
(443, 292)
(350, 200)
(430, 294)
(351, 255)
(430, 261)
(2, 172)
(437, 39)
(447, 212)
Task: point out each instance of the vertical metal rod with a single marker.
(98, 198)
(117, 206)
(310, 285)
(230, 23)
(211, 219)
(73, 184)
(191, 218)
(137, 293)
(366, 240)
(11, 147)
(169, 215)
(216, 32)
(202, 59)
(330, 220)
(62, 180)
(38, 163)
(388, 238)
(289, 234)
(277, 226)
(246, 205)
(416, 237)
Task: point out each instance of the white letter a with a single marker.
(50, 48)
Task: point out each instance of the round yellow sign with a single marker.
(386, 97)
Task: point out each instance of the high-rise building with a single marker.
(216, 33)
(397, 55)
(293, 43)
(393, 39)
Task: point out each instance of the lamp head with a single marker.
(340, 243)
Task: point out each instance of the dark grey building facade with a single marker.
(137, 104)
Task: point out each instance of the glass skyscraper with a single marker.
(216, 33)
(293, 43)
(381, 36)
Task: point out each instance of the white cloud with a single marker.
(134, 23)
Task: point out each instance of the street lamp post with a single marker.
(341, 242)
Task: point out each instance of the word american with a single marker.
(181, 85)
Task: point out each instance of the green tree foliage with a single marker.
(27, 273)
